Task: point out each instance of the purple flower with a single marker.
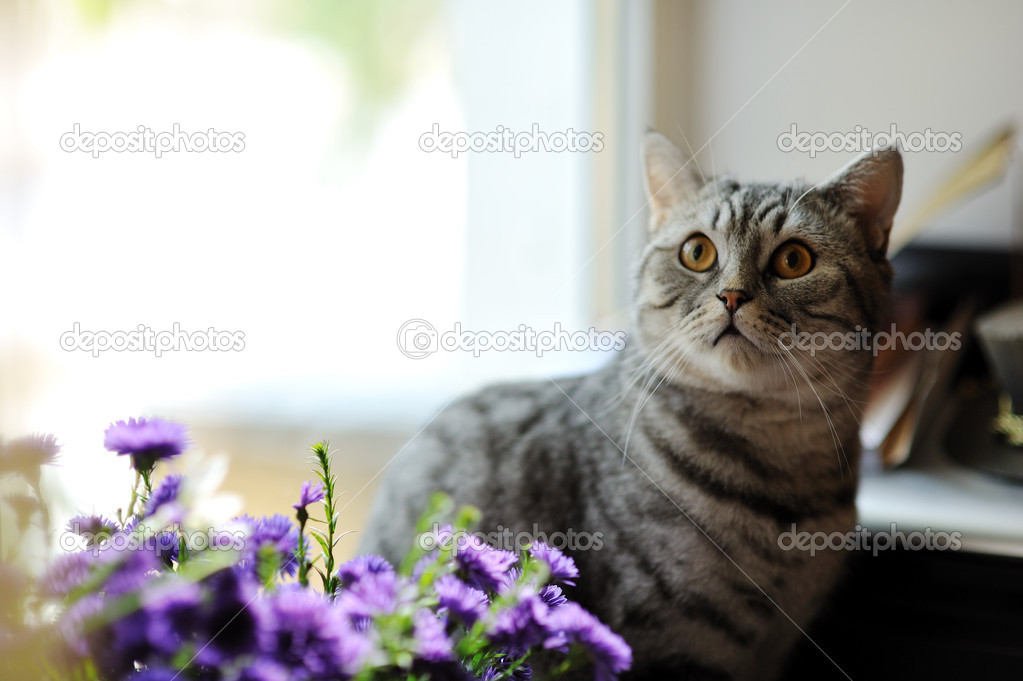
(376, 593)
(562, 568)
(311, 493)
(75, 620)
(172, 606)
(66, 573)
(351, 572)
(610, 653)
(275, 531)
(482, 565)
(165, 493)
(552, 596)
(95, 529)
(522, 673)
(135, 571)
(146, 441)
(231, 619)
(310, 638)
(432, 644)
(263, 670)
(460, 599)
(522, 625)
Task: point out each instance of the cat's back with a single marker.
(520, 452)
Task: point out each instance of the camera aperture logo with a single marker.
(418, 338)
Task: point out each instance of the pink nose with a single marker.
(732, 298)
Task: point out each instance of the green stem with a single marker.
(303, 564)
(514, 666)
(147, 477)
(134, 496)
(321, 450)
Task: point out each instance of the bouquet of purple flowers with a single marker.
(149, 597)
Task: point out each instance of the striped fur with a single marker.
(689, 457)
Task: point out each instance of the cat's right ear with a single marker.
(671, 177)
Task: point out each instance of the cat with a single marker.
(694, 449)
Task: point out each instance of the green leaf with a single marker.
(322, 542)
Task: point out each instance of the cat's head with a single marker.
(730, 267)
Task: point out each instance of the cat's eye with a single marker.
(792, 260)
(698, 253)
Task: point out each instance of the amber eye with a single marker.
(792, 260)
(698, 253)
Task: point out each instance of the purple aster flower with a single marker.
(460, 599)
(563, 568)
(552, 596)
(66, 573)
(276, 531)
(351, 572)
(172, 606)
(427, 562)
(117, 646)
(165, 493)
(146, 441)
(136, 570)
(311, 493)
(432, 644)
(164, 546)
(522, 625)
(95, 529)
(309, 637)
(482, 565)
(522, 673)
(231, 619)
(610, 653)
(263, 670)
(376, 593)
(73, 623)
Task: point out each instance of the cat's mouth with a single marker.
(730, 330)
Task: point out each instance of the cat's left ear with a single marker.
(869, 189)
(671, 177)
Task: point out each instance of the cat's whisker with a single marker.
(795, 386)
(839, 449)
(646, 366)
(640, 403)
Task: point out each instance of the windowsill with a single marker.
(944, 496)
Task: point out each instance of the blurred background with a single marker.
(332, 227)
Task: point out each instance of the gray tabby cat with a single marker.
(696, 447)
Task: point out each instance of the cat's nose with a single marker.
(732, 298)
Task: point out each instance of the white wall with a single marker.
(945, 65)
